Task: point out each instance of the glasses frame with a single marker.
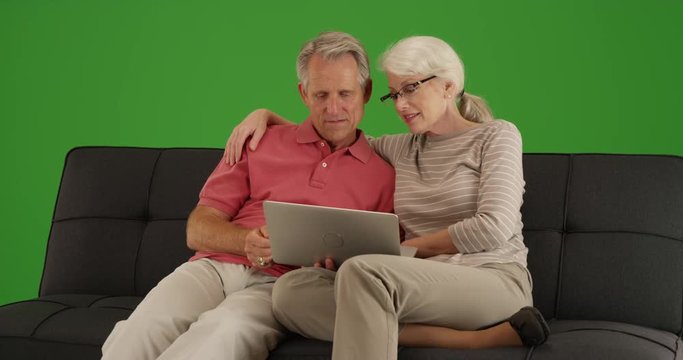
(400, 92)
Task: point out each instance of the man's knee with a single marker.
(295, 293)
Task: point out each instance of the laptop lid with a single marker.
(303, 234)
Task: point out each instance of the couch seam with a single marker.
(52, 223)
(146, 220)
(47, 341)
(115, 307)
(115, 218)
(620, 332)
(33, 333)
(98, 299)
(680, 332)
(558, 292)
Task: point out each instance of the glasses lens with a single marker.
(409, 89)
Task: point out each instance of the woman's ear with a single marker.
(449, 89)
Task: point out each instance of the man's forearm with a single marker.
(209, 229)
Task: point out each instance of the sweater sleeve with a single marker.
(501, 187)
(389, 147)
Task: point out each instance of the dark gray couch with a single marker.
(605, 235)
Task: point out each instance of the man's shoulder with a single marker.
(282, 129)
(377, 163)
(279, 133)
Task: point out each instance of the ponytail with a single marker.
(474, 108)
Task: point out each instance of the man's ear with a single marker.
(368, 91)
(302, 92)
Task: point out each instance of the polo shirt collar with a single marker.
(360, 149)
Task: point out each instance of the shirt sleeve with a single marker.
(501, 188)
(227, 188)
(389, 147)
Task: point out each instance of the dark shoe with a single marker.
(530, 326)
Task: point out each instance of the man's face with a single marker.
(335, 98)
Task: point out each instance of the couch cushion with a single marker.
(297, 347)
(622, 256)
(603, 340)
(92, 256)
(628, 193)
(633, 278)
(31, 349)
(68, 318)
(543, 262)
(543, 214)
(121, 214)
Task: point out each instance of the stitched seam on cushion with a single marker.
(606, 232)
(33, 333)
(680, 332)
(623, 232)
(530, 353)
(48, 341)
(35, 300)
(52, 223)
(558, 292)
(618, 331)
(115, 307)
(146, 220)
(97, 218)
(98, 299)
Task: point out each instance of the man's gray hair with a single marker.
(333, 45)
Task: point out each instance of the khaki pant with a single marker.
(361, 306)
(204, 310)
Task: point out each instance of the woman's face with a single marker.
(424, 106)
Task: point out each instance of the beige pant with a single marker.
(204, 310)
(360, 307)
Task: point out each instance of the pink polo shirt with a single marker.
(294, 164)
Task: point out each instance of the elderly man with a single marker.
(218, 304)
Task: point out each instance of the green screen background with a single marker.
(575, 76)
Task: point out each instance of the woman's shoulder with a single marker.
(500, 128)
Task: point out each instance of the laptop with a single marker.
(302, 234)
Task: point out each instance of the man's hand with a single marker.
(257, 248)
(329, 264)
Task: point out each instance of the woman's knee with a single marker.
(361, 266)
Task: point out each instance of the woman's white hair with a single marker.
(332, 45)
(426, 56)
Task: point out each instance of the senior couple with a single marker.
(455, 182)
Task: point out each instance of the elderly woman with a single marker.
(459, 187)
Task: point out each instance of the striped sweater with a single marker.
(470, 182)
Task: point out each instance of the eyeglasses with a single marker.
(407, 90)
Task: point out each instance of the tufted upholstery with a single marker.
(605, 234)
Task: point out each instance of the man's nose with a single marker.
(333, 104)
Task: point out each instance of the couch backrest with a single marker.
(605, 232)
(605, 237)
(119, 222)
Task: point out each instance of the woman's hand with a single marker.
(253, 125)
(433, 244)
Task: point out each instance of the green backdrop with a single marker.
(575, 76)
